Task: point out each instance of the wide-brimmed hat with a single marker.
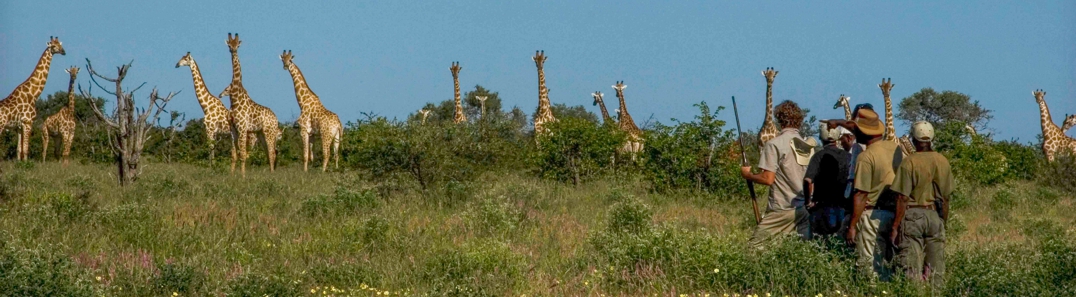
(867, 122)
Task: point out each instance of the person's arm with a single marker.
(859, 204)
(808, 178)
(902, 205)
(765, 177)
(808, 189)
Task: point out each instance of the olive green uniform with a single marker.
(923, 177)
(874, 172)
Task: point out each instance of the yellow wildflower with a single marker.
(313, 290)
(175, 294)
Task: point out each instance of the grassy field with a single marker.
(195, 231)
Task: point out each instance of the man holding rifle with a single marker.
(785, 212)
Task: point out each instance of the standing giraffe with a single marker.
(459, 116)
(843, 102)
(890, 132)
(62, 122)
(18, 109)
(545, 112)
(1053, 140)
(769, 127)
(425, 114)
(217, 117)
(249, 117)
(314, 117)
(598, 100)
(482, 105)
(634, 143)
(1070, 120)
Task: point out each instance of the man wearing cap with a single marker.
(826, 180)
(785, 212)
(919, 226)
(871, 223)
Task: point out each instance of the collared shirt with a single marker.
(924, 177)
(777, 156)
(874, 169)
(857, 148)
(828, 171)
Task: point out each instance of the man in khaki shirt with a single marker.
(918, 229)
(870, 226)
(785, 212)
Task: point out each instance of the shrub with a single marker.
(697, 155)
(39, 273)
(1023, 160)
(493, 217)
(629, 215)
(577, 150)
(177, 278)
(1060, 174)
(485, 269)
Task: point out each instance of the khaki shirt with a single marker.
(919, 173)
(786, 193)
(874, 169)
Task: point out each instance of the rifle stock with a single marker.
(743, 154)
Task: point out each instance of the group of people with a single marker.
(889, 206)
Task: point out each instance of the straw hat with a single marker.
(867, 122)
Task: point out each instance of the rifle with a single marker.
(743, 153)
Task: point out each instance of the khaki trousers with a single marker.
(873, 250)
(780, 222)
(922, 245)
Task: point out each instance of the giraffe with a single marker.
(17, 109)
(843, 102)
(634, 144)
(1053, 140)
(459, 116)
(545, 112)
(425, 114)
(248, 117)
(217, 117)
(598, 100)
(62, 122)
(481, 102)
(314, 117)
(890, 132)
(769, 127)
(1070, 120)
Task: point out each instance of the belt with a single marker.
(930, 207)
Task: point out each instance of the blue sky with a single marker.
(390, 57)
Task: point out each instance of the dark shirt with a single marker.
(828, 170)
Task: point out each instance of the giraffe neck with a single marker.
(236, 87)
(237, 70)
(205, 98)
(306, 97)
(890, 131)
(847, 111)
(605, 113)
(459, 117)
(1048, 125)
(769, 104)
(36, 82)
(543, 94)
(625, 118)
(71, 93)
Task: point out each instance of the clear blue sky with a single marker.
(390, 57)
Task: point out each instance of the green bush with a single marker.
(1023, 160)
(484, 269)
(576, 150)
(493, 217)
(697, 155)
(182, 279)
(629, 215)
(1060, 174)
(39, 273)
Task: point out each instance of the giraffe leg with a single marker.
(69, 137)
(326, 143)
(26, 130)
(211, 138)
(270, 148)
(242, 153)
(336, 148)
(44, 141)
(305, 135)
(233, 145)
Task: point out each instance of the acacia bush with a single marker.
(577, 150)
(698, 155)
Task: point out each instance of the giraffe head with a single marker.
(481, 99)
(233, 42)
(886, 86)
(620, 86)
(841, 102)
(1040, 96)
(597, 97)
(455, 69)
(286, 58)
(539, 58)
(73, 71)
(186, 60)
(770, 74)
(55, 46)
(1070, 121)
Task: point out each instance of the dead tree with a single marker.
(128, 126)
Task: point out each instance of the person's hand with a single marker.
(851, 236)
(893, 238)
(811, 205)
(745, 171)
